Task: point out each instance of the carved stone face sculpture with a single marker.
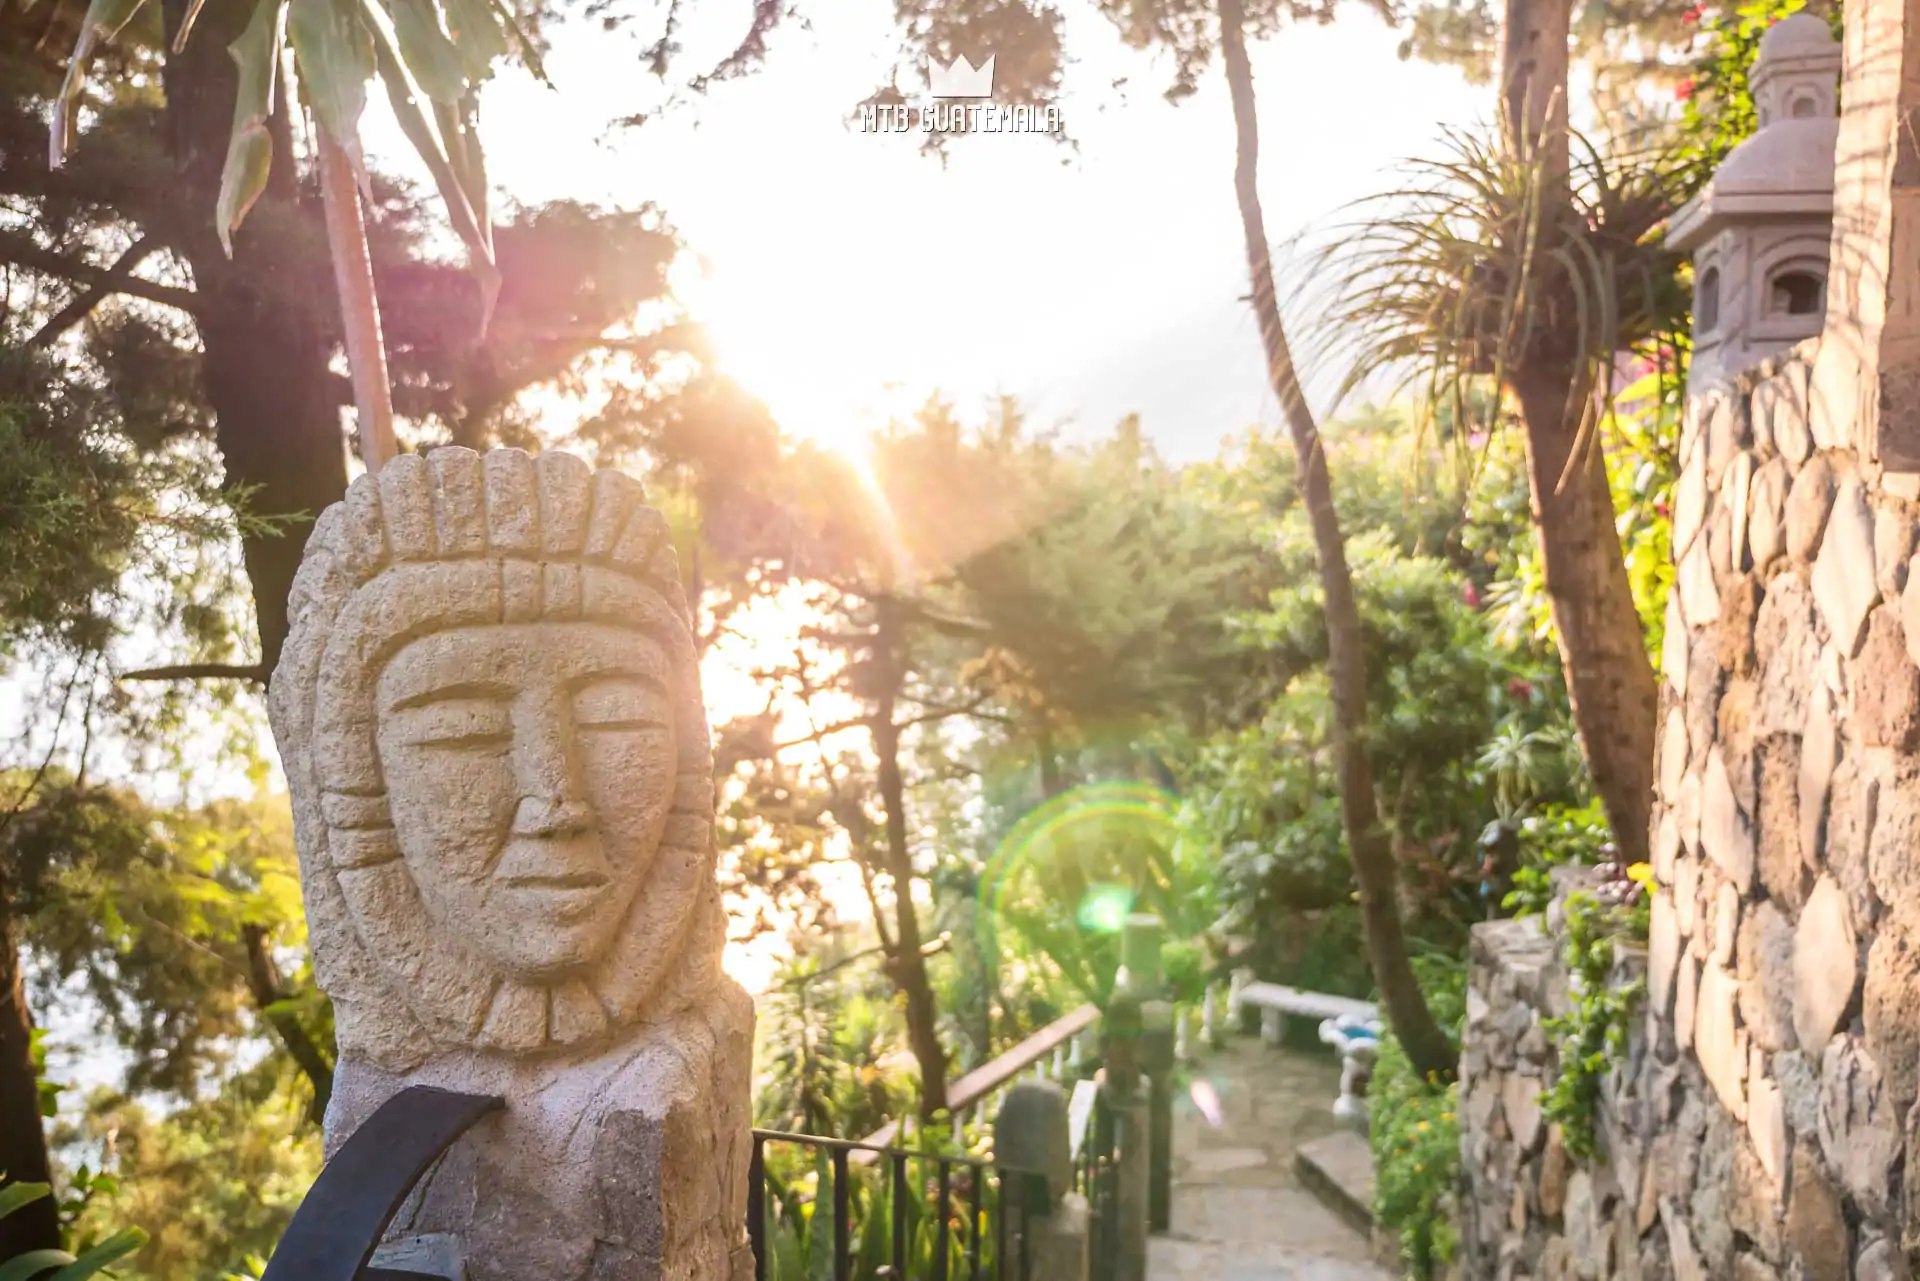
(491, 719)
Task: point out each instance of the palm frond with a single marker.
(1480, 266)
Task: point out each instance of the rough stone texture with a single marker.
(1880, 1260)
(1894, 537)
(1690, 503)
(1819, 754)
(1910, 613)
(1663, 953)
(1893, 847)
(1673, 647)
(1718, 1041)
(1787, 649)
(1825, 966)
(1845, 582)
(1783, 873)
(1687, 813)
(1808, 503)
(1859, 1125)
(1699, 593)
(1816, 1225)
(1852, 817)
(1734, 487)
(1890, 1010)
(1766, 519)
(1786, 398)
(1725, 833)
(490, 714)
(1739, 608)
(1673, 755)
(1886, 702)
(1666, 845)
(1765, 969)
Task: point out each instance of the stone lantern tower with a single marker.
(1759, 233)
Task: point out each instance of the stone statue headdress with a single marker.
(450, 586)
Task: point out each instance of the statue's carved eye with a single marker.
(458, 722)
(618, 703)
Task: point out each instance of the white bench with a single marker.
(1276, 1001)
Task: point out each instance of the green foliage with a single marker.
(828, 1056)
(1592, 1036)
(1464, 729)
(213, 1181)
(1717, 113)
(1415, 1134)
(93, 1257)
(1558, 836)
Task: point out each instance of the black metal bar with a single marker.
(974, 1195)
(898, 1178)
(946, 1214)
(1160, 1158)
(999, 1230)
(1026, 1224)
(334, 1233)
(852, 1145)
(757, 1207)
(842, 1199)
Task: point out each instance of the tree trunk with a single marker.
(359, 305)
(264, 328)
(23, 1141)
(263, 978)
(907, 964)
(1428, 1047)
(1610, 680)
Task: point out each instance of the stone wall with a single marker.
(1759, 1124)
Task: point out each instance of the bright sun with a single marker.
(804, 348)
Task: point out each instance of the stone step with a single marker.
(1338, 1169)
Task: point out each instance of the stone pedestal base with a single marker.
(628, 1165)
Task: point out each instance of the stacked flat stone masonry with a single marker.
(1759, 1126)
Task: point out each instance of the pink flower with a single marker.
(1470, 595)
(1693, 15)
(1685, 91)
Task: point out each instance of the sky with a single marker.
(847, 274)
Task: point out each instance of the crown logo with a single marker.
(962, 79)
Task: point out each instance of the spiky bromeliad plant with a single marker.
(1470, 273)
(1532, 270)
(430, 56)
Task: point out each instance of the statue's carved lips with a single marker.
(563, 897)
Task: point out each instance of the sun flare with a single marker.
(825, 370)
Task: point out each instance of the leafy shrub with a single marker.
(1558, 836)
(1415, 1134)
(1592, 1035)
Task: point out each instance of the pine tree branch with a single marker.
(21, 251)
(198, 672)
(84, 303)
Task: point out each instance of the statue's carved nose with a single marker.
(551, 816)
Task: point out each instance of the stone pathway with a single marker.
(1240, 1212)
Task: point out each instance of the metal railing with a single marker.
(969, 1236)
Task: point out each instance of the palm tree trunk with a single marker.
(359, 305)
(1603, 652)
(1428, 1047)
